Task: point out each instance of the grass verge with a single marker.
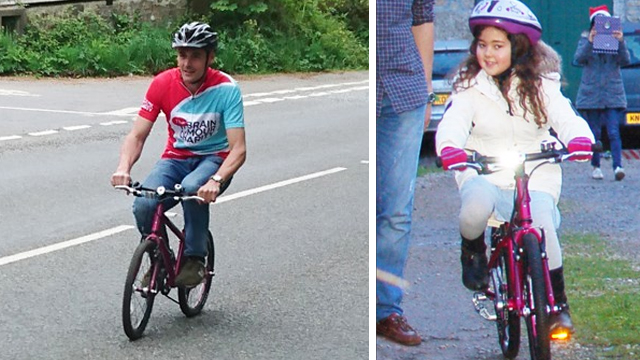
(604, 293)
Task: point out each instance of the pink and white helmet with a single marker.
(512, 16)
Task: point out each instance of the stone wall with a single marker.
(628, 10)
(452, 17)
(150, 10)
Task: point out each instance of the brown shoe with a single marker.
(395, 328)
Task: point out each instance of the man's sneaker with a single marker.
(619, 173)
(191, 273)
(597, 174)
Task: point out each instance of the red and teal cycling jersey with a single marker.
(197, 123)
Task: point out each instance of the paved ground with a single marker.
(438, 305)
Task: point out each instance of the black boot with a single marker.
(475, 275)
(561, 320)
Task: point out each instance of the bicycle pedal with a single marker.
(478, 303)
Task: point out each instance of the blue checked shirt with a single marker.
(399, 70)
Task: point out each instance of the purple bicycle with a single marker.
(520, 284)
(154, 265)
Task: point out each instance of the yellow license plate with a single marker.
(633, 118)
(441, 99)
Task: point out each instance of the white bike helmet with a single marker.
(195, 35)
(511, 16)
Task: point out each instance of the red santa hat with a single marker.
(598, 10)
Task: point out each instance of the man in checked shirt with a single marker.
(404, 60)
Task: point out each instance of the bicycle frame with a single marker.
(510, 238)
(159, 236)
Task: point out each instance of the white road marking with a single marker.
(364, 161)
(104, 233)
(5, 92)
(117, 122)
(77, 127)
(63, 245)
(10, 137)
(52, 111)
(43, 133)
(124, 112)
(277, 185)
(132, 111)
(287, 91)
(269, 100)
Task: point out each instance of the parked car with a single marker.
(631, 76)
(446, 58)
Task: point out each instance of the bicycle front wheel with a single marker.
(507, 321)
(192, 300)
(137, 301)
(535, 295)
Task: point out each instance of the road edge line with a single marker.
(63, 245)
(278, 185)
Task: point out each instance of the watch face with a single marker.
(431, 97)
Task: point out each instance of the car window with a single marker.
(633, 44)
(445, 62)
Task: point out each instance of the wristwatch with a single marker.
(431, 97)
(217, 178)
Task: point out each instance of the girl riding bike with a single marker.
(506, 99)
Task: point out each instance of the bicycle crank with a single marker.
(478, 300)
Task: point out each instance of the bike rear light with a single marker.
(560, 335)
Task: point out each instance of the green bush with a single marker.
(255, 37)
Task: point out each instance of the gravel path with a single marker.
(437, 304)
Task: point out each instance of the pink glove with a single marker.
(453, 156)
(581, 144)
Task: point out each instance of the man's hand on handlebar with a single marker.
(209, 191)
(120, 178)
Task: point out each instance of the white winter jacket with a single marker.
(478, 118)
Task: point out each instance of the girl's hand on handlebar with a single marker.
(453, 158)
(120, 178)
(581, 147)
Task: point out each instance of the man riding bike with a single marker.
(205, 145)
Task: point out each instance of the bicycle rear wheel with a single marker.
(137, 301)
(508, 322)
(192, 300)
(535, 296)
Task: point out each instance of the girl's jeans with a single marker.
(191, 173)
(398, 141)
(480, 200)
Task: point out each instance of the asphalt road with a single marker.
(291, 259)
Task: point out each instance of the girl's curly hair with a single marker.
(526, 65)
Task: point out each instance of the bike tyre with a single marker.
(190, 308)
(133, 329)
(507, 322)
(539, 341)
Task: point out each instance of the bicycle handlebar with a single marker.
(160, 193)
(548, 152)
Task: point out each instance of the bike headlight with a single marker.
(510, 160)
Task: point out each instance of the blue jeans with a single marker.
(398, 141)
(191, 173)
(611, 118)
